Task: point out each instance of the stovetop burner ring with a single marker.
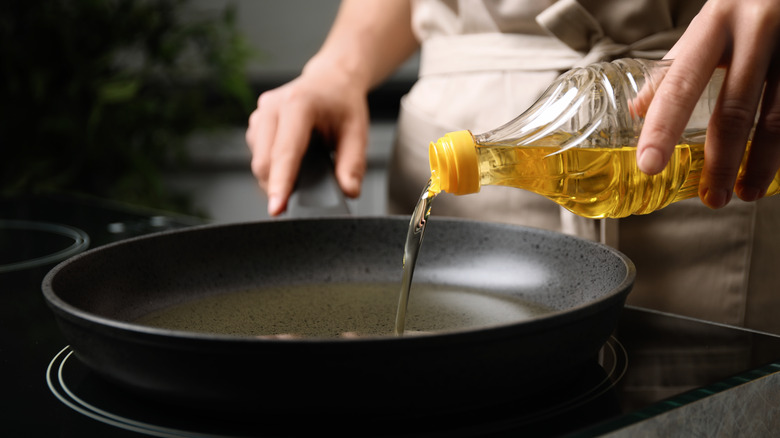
(60, 372)
(79, 244)
(56, 381)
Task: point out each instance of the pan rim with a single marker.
(81, 317)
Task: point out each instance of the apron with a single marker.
(713, 265)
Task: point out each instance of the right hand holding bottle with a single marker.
(279, 130)
(741, 35)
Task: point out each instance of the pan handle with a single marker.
(317, 193)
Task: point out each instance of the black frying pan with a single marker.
(97, 296)
(478, 346)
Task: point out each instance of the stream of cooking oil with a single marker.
(414, 237)
(335, 310)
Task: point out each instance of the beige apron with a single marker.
(715, 265)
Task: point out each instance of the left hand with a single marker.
(744, 36)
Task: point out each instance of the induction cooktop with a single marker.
(653, 363)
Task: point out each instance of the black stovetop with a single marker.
(654, 362)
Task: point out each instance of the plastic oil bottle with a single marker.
(577, 145)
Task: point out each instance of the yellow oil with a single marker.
(337, 310)
(596, 182)
(414, 238)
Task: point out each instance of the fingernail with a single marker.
(275, 205)
(651, 161)
(350, 185)
(354, 186)
(716, 198)
(749, 194)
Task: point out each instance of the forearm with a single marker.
(368, 41)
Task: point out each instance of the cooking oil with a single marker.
(341, 310)
(414, 237)
(594, 182)
(577, 144)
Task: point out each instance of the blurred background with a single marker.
(146, 102)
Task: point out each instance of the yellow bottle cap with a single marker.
(453, 160)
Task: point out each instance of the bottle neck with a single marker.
(453, 161)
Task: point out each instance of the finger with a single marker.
(763, 160)
(251, 129)
(350, 159)
(290, 143)
(638, 105)
(260, 138)
(731, 121)
(676, 97)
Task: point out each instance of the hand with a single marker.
(744, 36)
(280, 128)
(367, 42)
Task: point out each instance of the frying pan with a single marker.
(98, 297)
